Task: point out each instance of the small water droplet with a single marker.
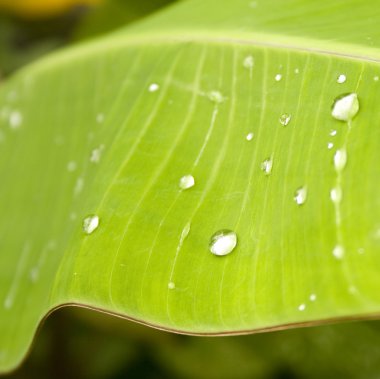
(338, 252)
(345, 107)
(154, 87)
(96, 154)
(336, 195)
(15, 120)
(361, 250)
(285, 119)
(90, 224)
(223, 242)
(73, 216)
(253, 4)
(249, 136)
(171, 285)
(341, 79)
(267, 166)
(71, 166)
(249, 62)
(333, 133)
(278, 77)
(34, 274)
(376, 78)
(300, 196)
(330, 145)
(296, 71)
(78, 186)
(340, 159)
(216, 97)
(186, 182)
(100, 118)
(302, 307)
(313, 297)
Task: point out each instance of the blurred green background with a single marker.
(78, 343)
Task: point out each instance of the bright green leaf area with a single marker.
(81, 134)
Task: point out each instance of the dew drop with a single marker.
(278, 77)
(96, 154)
(341, 79)
(302, 307)
(216, 97)
(154, 87)
(186, 182)
(99, 118)
(253, 4)
(267, 166)
(340, 159)
(223, 242)
(345, 107)
(78, 186)
(336, 195)
(90, 224)
(313, 297)
(376, 78)
(300, 196)
(338, 252)
(361, 250)
(71, 166)
(333, 133)
(296, 71)
(249, 62)
(15, 120)
(249, 136)
(171, 285)
(285, 119)
(330, 145)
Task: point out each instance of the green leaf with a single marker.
(82, 134)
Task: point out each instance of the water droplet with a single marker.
(15, 120)
(90, 224)
(186, 182)
(345, 107)
(313, 297)
(171, 285)
(96, 154)
(73, 216)
(330, 145)
(285, 119)
(34, 274)
(249, 62)
(341, 79)
(333, 133)
(253, 4)
(296, 71)
(338, 252)
(78, 186)
(361, 250)
(302, 307)
(301, 195)
(71, 166)
(249, 136)
(336, 195)
(154, 87)
(216, 97)
(376, 78)
(340, 159)
(267, 166)
(278, 77)
(223, 242)
(99, 118)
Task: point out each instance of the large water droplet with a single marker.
(338, 252)
(186, 182)
(267, 166)
(340, 159)
(249, 62)
(345, 107)
(223, 242)
(341, 79)
(285, 119)
(90, 224)
(301, 195)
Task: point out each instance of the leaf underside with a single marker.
(83, 133)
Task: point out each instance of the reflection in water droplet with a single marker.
(186, 182)
(345, 107)
(340, 159)
(249, 136)
(223, 242)
(154, 87)
(278, 77)
(216, 97)
(285, 119)
(338, 252)
(267, 166)
(336, 195)
(301, 195)
(90, 224)
(171, 285)
(15, 120)
(249, 62)
(341, 79)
